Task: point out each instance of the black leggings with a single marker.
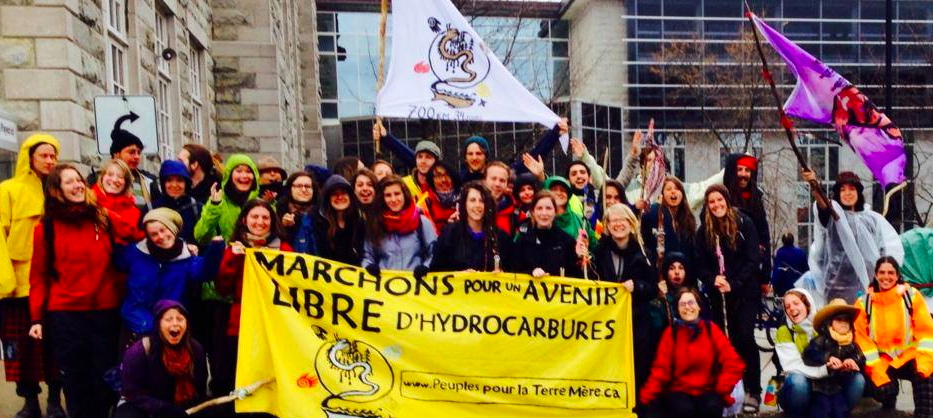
(679, 404)
(85, 346)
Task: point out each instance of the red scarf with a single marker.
(402, 223)
(178, 364)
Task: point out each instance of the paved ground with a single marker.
(10, 403)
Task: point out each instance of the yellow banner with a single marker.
(342, 343)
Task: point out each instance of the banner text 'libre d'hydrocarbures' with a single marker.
(343, 343)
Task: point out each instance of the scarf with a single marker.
(449, 199)
(178, 364)
(257, 241)
(404, 222)
(694, 326)
(841, 339)
(165, 255)
(234, 195)
(72, 213)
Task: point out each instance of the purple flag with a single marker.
(822, 95)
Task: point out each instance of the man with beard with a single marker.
(741, 178)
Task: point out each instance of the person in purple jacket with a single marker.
(165, 372)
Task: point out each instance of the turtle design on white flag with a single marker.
(441, 69)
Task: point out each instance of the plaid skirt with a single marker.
(23, 358)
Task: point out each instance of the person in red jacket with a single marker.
(76, 291)
(113, 193)
(256, 227)
(695, 368)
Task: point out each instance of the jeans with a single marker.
(795, 395)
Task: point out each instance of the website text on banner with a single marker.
(340, 342)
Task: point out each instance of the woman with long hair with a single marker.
(296, 212)
(114, 193)
(676, 222)
(256, 227)
(166, 371)
(473, 243)
(893, 329)
(338, 228)
(442, 194)
(364, 188)
(727, 259)
(399, 236)
(542, 248)
(695, 368)
(76, 290)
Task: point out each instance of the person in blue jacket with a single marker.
(161, 266)
(789, 264)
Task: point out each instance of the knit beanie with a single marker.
(121, 138)
(168, 217)
(429, 147)
(482, 142)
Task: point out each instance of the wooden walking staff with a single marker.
(788, 125)
(380, 76)
(237, 394)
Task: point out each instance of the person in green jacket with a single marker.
(240, 184)
(569, 210)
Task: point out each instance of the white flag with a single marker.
(441, 69)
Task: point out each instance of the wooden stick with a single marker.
(380, 77)
(236, 394)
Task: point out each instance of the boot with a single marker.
(30, 409)
(54, 407)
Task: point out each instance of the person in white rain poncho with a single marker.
(844, 251)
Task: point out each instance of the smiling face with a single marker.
(716, 204)
(794, 307)
(172, 326)
(841, 325)
(848, 195)
(302, 189)
(743, 175)
(258, 221)
(44, 159)
(243, 178)
(578, 176)
(475, 207)
(174, 186)
(394, 197)
(688, 307)
(442, 181)
(543, 213)
(676, 273)
(72, 186)
(560, 194)
(339, 200)
(382, 170)
(161, 236)
(886, 276)
(475, 157)
(113, 181)
(423, 161)
(364, 189)
(497, 180)
(619, 226)
(672, 194)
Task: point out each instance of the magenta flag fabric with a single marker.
(822, 95)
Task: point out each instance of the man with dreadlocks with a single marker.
(741, 179)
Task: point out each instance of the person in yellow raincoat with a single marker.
(21, 207)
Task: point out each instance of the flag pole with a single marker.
(788, 125)
(380, 76)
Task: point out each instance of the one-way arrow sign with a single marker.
(118, 116)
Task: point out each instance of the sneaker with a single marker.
(750, 406)
(30, 410)
(54, 410)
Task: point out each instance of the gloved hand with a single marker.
(420, 272)
(373, 270)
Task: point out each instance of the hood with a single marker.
(174, 168)
(23, 163)
(730, 169)
(240, 159)
(334, 182)
(525, 179)
(557, 179)
(159, 308)
(807, 324)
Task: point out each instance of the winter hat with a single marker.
(429, 147)
(835, 308)
(174, 168)
(160, 307)
(550, 181)
(748, 161)
(476, 139)
(165, 216)
(121, 139)
(334, 182)
(268, 163)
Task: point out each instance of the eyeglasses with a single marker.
(303, 186)
(688, 304)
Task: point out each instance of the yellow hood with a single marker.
(23, 163)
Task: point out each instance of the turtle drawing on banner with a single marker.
(460, 64)
(354, 373)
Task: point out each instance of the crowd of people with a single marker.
(118, 289)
